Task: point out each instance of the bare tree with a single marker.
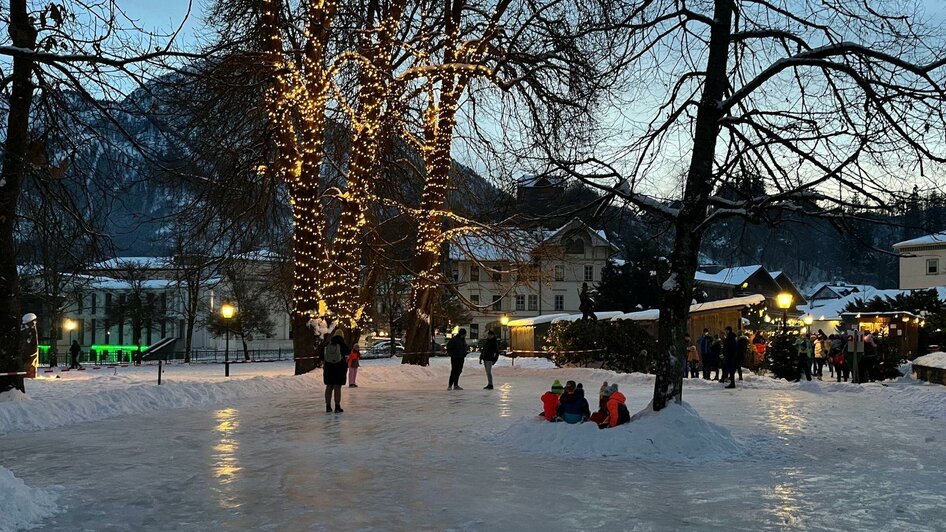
(832, 103)
(60, 52)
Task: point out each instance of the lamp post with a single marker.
(70, 326)
(226, 312)
(809, 319)
(784, 302)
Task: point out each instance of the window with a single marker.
(932, 266)
(475, 300)
(474, 272)
(559, 302)
(589, 272)
(497, 276)
(575, 246)
(533, 302)
(520, 302)
(474, 331)
(81, 303)
(108, 303)
(559, 272)
(497, 302)
(92, 299)
(92, 330)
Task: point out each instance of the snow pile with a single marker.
(932, 360)
(673, 434)
(23, 506)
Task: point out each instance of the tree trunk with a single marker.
(677, 290)
(23, 35)
(304, 345)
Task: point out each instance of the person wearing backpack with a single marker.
(334, 368)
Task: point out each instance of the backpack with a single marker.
(839, 358)
(333, 354)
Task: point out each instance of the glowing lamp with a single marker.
(504, 320)
(784, 300)
(809, 319)
(227, 311)
(70, 325)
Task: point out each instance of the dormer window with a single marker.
(575, 246)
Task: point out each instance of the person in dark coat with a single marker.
(716, 357)
(74, 352)
(705, 346)
(489, 355)
(457, 351)
(742, 349)
(334, 373)
(586, 304)
(731, 354)
(572, 406)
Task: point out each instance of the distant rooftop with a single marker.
(729, 276)
(935, 238)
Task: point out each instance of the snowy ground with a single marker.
(100, 451)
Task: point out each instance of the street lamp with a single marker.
(784, 302)
(809, 319)
(70, 326)
(226, 312)
(504, 320)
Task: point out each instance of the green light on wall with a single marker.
(43, 348)
(110, 347)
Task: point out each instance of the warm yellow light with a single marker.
(227, 311)
(70, 325)
(784, 300)
(767, 319)
(456, 329)
(906, 319)
(504, 320)
(809, 319)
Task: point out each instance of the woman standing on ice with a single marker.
(334, 367)
(353, 364)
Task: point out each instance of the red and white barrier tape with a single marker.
(517, 352)
(12, 373)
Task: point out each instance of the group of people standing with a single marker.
(846, 356)
(724, 355)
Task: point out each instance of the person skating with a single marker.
(354, 361)
(572, 405)
(730, 354)
(74, 352)
(693, 357)
(742, 349)
(457, 351)
(334, 368)
(804, 347)
(489, 354)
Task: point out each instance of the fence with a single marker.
(121, 356)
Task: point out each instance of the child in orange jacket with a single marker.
(618, 413)
(550, 400)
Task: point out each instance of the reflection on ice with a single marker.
(224, 459)
(783, 416)
(784, 496)
(505, 400)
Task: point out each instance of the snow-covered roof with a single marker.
(735, 302)
(729, 276)
(831, 309)
(607, 315)
(529, 180)
(535, 320)
(511, 244)
(109, 283)
(935, 238)
(640, 315)
(839, 289)
(932, 360)
(119, 263)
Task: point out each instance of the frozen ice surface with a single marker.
(409, 455)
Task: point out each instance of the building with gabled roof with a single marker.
(923, 261)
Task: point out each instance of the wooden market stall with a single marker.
(897, 330)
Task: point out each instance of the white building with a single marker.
(522, 273)
(165, 286)
(922, 261)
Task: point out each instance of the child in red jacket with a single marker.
(550, 401)
(353, 364)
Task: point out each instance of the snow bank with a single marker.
(932, 360)
(673, 434)
(22, 506)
